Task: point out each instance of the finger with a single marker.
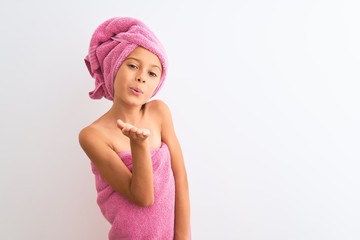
(142, 133)
(126, 132)
(120, 123)
(139, 131)
(133, 129)
(127, 126)
(133, 134)
(146, 132)
(126, 129)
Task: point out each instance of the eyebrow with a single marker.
(136, 59)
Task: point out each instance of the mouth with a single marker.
(136, 90)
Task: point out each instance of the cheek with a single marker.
(154, 85)
(150, 88)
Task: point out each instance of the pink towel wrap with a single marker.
(129, 221)
(110, 45)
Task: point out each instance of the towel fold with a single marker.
(129, 221)
(110, 44)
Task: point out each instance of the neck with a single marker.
(128, 114)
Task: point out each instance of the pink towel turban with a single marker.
(110, 45)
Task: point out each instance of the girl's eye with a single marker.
(152, 74)
(132, 66)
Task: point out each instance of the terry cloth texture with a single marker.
(129, 221)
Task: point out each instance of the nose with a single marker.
(140, 78)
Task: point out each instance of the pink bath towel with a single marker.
(129, 221)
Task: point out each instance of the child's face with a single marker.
(137, 77)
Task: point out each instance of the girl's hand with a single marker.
(132, 132)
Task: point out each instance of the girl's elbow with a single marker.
(145, 201)
(140, 199)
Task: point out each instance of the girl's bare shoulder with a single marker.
(88, 133)
(157, 107)
(92, 134)
(160, 112)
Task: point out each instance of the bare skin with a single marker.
(136, 124)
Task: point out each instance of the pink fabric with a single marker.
(129, 221)
(110, 44)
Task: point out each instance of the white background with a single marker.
(264, 96)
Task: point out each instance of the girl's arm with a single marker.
(182, 199)
(136, 186)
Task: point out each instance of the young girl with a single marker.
(135, 155)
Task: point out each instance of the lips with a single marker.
(136, 90)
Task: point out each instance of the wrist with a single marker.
(136, 144)
(182, 235)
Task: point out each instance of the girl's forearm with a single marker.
(182, 210)
(142, 187)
